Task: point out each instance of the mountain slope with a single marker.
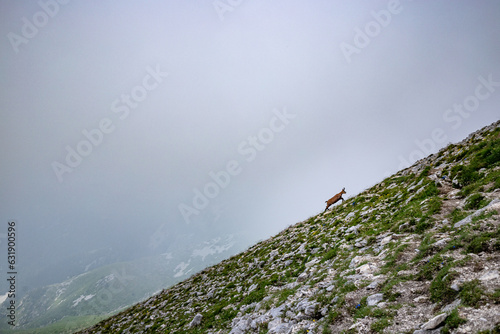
(417, 253)
(83, 300)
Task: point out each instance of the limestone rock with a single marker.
(374, 299)
(490, 275)
(196, 321)
(435, 322)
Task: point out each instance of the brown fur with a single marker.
(335, 199)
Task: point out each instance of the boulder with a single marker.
(434, 322)
(196, 321)
(374, 299)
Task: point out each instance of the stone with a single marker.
(404, 226)
(425, 331)
(240, 325)
(274, 323)
(355, 261)
(492, 274)
(302, 249)
(350, 216)
(312, 263)
(310, 310)
(448, 308)
(374, 299)
(315, 250)
(196, 321)
(353, 229)
(280, 329)
(367, 268)
(372, 285)
(435, 322)
(385, 241)
(441, 243)
(302, 277)
(277, 311)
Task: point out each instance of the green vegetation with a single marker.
(475, 202)
(471, 293)
(440, 286)
(452, 321)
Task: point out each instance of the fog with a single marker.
(128, 127)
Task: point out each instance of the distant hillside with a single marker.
(83, 300)
(417, 253)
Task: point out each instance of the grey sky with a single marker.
(355, 117)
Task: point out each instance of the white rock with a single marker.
(494, 205)
(355, 261)
(273, 324)
(434, 322)
(302, 277)
(350, 216)
(492, 274)
(280, 329)
(441, 243)
(386, 240)
(367, 269)
(374, 299)
(196, 321)
(353, 229)
(312, 263)
(448, 308)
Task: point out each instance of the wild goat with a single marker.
(335, 199)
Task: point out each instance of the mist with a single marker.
(131, 128)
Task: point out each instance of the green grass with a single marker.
(457, 215)
(475, 202)
(452, 321)
(471, 293)
(440, 286)
(379, 325)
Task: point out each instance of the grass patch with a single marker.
(452, 321)
(471, 293)
(330, 254)
(379, 325)
(422, 226)
(475, 202)
(255, 296)
(457, 215)
(435, 204)
(440, 286)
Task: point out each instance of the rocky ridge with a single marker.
(417, 253)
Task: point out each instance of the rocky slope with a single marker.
(417, 253)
